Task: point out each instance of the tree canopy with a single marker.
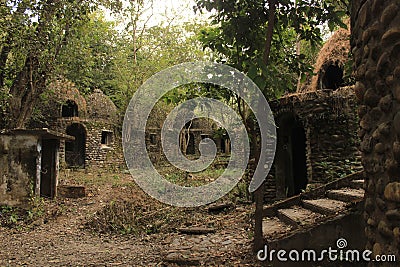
(248, 34)
(45, 40)
(33, 33)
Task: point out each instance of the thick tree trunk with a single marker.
(259, 193)
(31, 80)
(25, 91)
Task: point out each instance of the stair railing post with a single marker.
(258, 217)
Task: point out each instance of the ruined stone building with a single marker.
(92, 121)
(317, 152)
(29, 161)
(190, 137)
(74, 132)
(317, 139)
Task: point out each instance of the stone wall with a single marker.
(19, 159)
(103, 155)
(330, 123)
(154, 145)
(376, 49)
(97, 155)
(332, 141)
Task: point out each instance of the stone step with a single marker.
(356, 184)
(273, 227)
(324, 205)
(297, 216)
(346, 194)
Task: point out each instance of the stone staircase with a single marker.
(287, 223)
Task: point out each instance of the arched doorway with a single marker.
(290, 160)
(75, 150)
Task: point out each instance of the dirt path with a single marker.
(64, 240)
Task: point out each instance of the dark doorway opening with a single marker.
(223, 145)
(75, 150)
(48, 168)
(153, 139)
(290, 160)
(333, 77)
(69, 109)
(191, 148)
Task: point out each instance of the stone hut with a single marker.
(190, 137)
(316, 127)
(29, 161)
(92, 121)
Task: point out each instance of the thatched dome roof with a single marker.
(61, 93)
(101, 107)
(330, 63)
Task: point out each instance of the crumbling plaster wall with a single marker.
(19, 158)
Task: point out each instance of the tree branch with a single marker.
(270, 30)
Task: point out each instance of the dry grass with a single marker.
(133, 212)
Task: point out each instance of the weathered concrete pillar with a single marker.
(376, 50)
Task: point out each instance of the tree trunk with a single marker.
(259, 193)
(270, 30)
(31, 80)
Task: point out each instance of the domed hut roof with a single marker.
(100, 106)
(329, 67)
(63, 99)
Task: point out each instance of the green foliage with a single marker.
(4, 98)
(32, 36)
(20, 218)
(87, 60)
(158, 48)
(41, 40)
(240, 193)
(238, 37)
(219, 133)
